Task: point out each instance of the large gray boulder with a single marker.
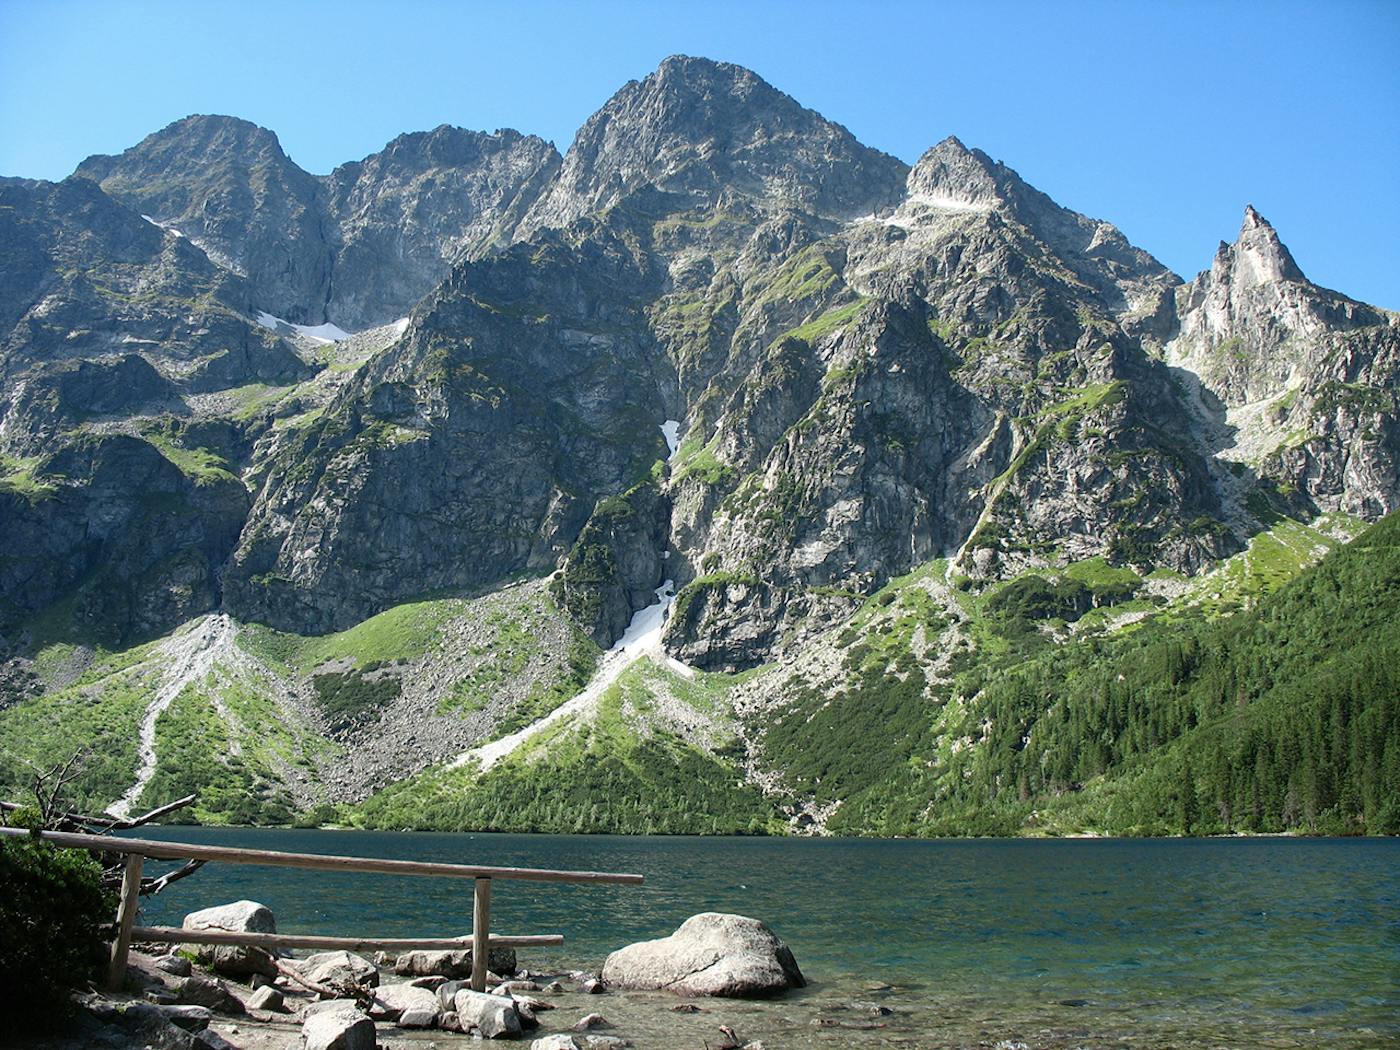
(238, 917)
(710, 954)
(494, 1016)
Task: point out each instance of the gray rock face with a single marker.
(358, 247)
(494, 443)
(1295, 382)
(710, 954)
(227, 185)
(697, 131)
(404, 215)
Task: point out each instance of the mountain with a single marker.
(356, 248)
(770, 455)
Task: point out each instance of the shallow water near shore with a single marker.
(1145, 943)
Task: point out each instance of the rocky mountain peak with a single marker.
(696, 128)
(952, 174)
(1258, 256)
(200, 139)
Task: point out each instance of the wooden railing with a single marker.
(480, 941)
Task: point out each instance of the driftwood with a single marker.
(363, 996)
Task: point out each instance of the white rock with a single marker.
(493, 1016)
(556, 1042)
(265, 998)
(338, 1030)
(392, 1000)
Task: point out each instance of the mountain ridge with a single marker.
(866, 369)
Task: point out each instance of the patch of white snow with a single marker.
(318, 333)
(671, 431)
(643, 636)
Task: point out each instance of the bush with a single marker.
(53, 909)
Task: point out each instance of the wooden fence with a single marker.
(480, 941)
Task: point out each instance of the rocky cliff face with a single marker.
(873, 366)
(401, 217)
(226, 184)
(356, 248)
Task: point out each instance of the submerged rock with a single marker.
(710, 954)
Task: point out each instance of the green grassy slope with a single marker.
(1282, 717)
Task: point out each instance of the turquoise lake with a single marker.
(1152, 943)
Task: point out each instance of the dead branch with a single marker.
(359, 994)
(150, 887)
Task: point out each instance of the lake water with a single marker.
(1149, 943)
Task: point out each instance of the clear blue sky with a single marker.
(1165, 118)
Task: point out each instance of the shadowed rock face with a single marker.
(873, 365)
(358, 247)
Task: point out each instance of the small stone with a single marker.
(265, 998)
(447, 993)
(729, 1039)
(592, 986)
(172, 964)
(685, 1008)
(448, 1021)
(588, 1021)
(205, 991)
(432, 982)
(554, 988)
(510, 987)
(556, 1042)
(417, 1017)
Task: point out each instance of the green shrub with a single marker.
(52, 912)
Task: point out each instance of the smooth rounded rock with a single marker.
(712, 953)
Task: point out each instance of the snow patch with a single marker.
(643, 636)
(671, 431)
(160, 225)
(400, 326)
(318, 333)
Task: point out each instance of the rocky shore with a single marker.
(228, 996)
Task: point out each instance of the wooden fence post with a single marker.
(126, 918)
(481, 933)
